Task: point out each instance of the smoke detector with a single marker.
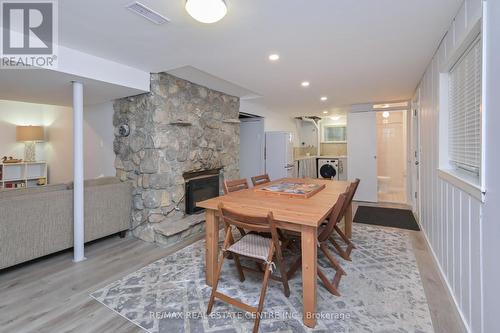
(147, 13)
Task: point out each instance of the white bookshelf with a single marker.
(22, 175)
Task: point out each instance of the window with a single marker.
(465, 111)
(334, 134)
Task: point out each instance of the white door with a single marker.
(278, 164)
(362, 153)
(251, 147)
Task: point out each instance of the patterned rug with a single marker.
(382, 292)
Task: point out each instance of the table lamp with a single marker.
(29, 135)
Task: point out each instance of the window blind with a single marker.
(465, 110)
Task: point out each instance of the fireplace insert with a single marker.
(199, 189)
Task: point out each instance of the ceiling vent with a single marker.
(148, 13)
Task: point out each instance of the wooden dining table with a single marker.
(303, 215)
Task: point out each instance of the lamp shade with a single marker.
(29, 133)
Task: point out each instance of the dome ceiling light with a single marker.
(206, 11)
(274, 57)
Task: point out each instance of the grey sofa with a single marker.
(39, 221)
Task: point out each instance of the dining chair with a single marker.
(325, 233)
(345, 253)
(261, 179)
(252, 246)
(242, 184)
(235, 185)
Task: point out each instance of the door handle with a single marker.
(417, 162)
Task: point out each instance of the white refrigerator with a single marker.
(279, 155)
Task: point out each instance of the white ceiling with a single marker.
(45, 86)
(352, 51)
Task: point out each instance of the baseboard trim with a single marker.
(443, 277)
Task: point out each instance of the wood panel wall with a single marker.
(450, 217)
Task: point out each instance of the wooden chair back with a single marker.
(352, 190)
(248, 223)
(345, 253)
(261, 179)
(335, 216)
(235, 185)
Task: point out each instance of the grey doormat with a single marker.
(382, 292)
(387, 217)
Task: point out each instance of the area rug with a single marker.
(382, 292)
(387, 217)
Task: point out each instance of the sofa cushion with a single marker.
(98, 182)
(11, 193)
(102, 181)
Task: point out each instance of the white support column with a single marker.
(78, 204)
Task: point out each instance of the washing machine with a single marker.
(328, 168)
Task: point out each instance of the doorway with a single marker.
(251, 146)
(392, 139)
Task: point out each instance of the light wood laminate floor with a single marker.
(52, 294)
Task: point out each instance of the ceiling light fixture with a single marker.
(335, 118)
(324, 98)
(305, 84)
(274, 57)
(325, 112)
(206, 11)
(385, 114)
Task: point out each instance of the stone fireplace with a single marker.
(180, 135)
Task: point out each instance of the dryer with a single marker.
(328, 168)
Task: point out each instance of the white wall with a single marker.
(13, 114)
(491, 208)
(450, 217)
(273, 121)
(307, 134)
(98, 135)
(58, 148)
(59, 144)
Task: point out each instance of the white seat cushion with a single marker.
(252, 245)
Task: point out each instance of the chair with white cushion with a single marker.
(254, 246)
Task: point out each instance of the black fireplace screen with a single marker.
(199, 189)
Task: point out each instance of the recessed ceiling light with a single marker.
(274, 57)
(305, 84)
(324, 98)
(325, 112)
(206, 11)
(335, 118)
(385, 114)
